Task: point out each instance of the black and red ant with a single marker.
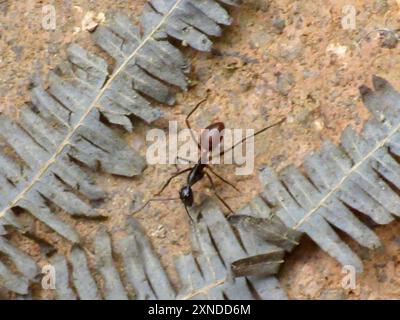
(210, 138)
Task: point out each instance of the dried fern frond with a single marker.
(128, 266)
(19, 272)
(360, 175)
(60, 129)
(206, 273)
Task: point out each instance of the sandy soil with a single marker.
(280, 58)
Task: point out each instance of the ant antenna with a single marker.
(188, 116)
(257, 133)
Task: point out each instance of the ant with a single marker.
(210, 138)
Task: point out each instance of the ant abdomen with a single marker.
(212, 136)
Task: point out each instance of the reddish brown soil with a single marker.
(256, 74)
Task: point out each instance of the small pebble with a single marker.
(381, 6)
(318, 124)
(279, 25)
(262, 5)
(137, 201)
(160, 232)
(389, 40)
(284, 82)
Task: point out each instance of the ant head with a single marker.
(186, 195)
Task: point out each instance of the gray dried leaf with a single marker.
(204, 274)
(60, 129)
(24, 269)
(265, 238)
(266, 264)
(361, 174)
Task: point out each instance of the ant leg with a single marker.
(190, 216)
(181, 158)
(257, 133)
(217, 195)
(170, 179)
(222, 178)
(151, 200)
(188, 123)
